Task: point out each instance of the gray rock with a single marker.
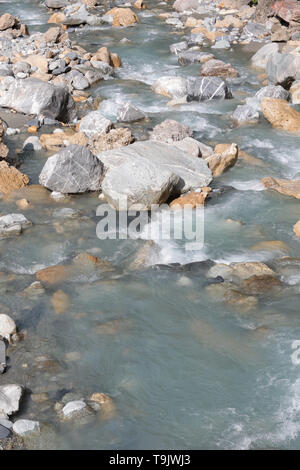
(13, 224)
(190, 146)
(10, 396)
(221, 44)
(272, 91)
(148, 172)
(262, 56)
(56, 3)
(196, 39)
(4, 421)
(21, 67)
(93, 76)
(283, 69)
(206, 150)
(7, 327)
(2, 357)
(245, 114)
(255, 30)
(186, 5)
(209, 88)
(33, 96)
(129, 113)
(178, 47)
(72, 170)
(103, 67)
(94, 124)
(32, 143)
(169, 131)
(175, 87)
(77, 80)
(6, 70)
(4, 432)
(75, 409)
(193, 57)
(25, 427)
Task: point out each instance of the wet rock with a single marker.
(10, 396)
(239, 301)
(32, 96)
(296, 229)
(194, 57)
(169, 131)
(13, 224)
(295, 92)
(174, 87)
(178, 47)
(129, 113)
(32, 143)
(221, 162)
(123, 17)
(192, 200)
(7, 21)
(60, 301)
(209, 88)
(72, 170)
(260, 59)
(256, 285)
(218, 68)
(286, 187)
(271, 245)
(245, 114)
(131, 169)
(25, 427)
(94, 124)
(241, 271)
(11, 179)
(7, 327)
(75, 410)
(4, 432)
(280, 114)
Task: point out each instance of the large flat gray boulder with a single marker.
(33, 96)
(72, 170)
(149, 172)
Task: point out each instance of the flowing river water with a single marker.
(184, 370)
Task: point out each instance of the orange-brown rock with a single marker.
(7, 21)
(57, 18)
(191, 199)
(123, 16)
(103, 55)
(256, 285)
(11, 178)
(60, 301)
(296, 229)
(53, 274)
(115, 60)
(108, 408)
(286, 187)
(37, 60)
(280, 114)
(139, 4)
(220, 162)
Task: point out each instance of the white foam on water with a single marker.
(252, 185)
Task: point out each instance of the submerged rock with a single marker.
(286, 187)
(13, 224)
(33, 96)
(72, 170)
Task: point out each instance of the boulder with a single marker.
(283, 69)
(95, 124)
(218, 68)
(191, 199)
(263, 10)
(287, 10)
(272, 91)
(149, 172)
(286, 187)
(209, 88)
(295, 92)
(169, 131)
(72, 170)
(7, 21)
(33, 96)
(189, 145)
(123, 16)
(280, 114)
(174, 87)
(194, 57)
(221, 162)
(260, 59)
(10, 396)
(11, 179)
(129, 113)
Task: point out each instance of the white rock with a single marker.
(7, 326)
(10, 396)
(73, 407)
(24, 427)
